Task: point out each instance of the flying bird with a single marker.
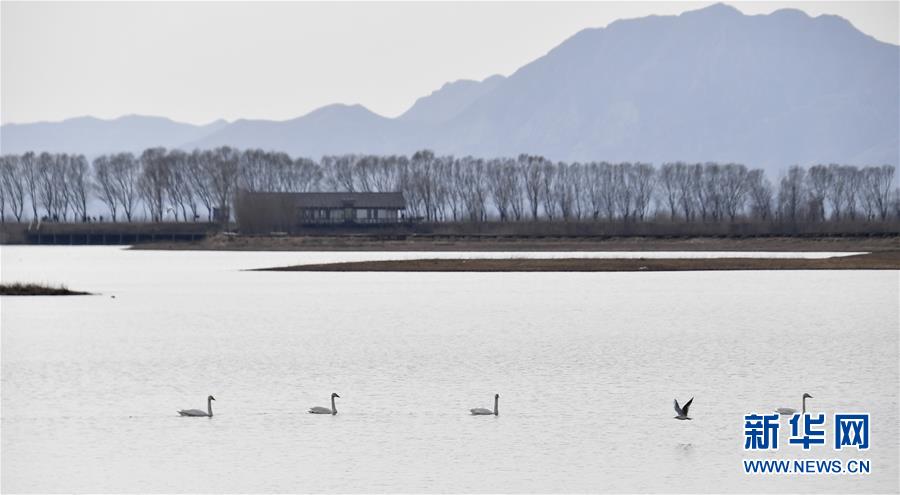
(682, 411)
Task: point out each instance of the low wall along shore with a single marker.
(106, 233)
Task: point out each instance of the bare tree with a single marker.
(836, 195)
(548, 185)
(3, 190)
(688, 179)
(532, 168)
(365, 170)
(852, 178)
(178, 188)
(791, 196)
(14, 184)
(106, 185)
(623, 190)
(517, 189)
(643, 183)
(577, 177)
(154, 180)
(760, 190)
(256, 171)
(819, 181)
(385, 173)
(503, 184)
(609, 189)
(340, 172)
(475, 189)
(668, 180)
(451, 185)
(879, 182)
(734, 184)
(198, 163)
(65, 195)
(222, 171)
(563, 191)
(423, 170)
(597, 177)
(78, 179)
(447, 189)
(126, 172)
(48, 181)
(30, 170)
(896, 203)
(707, 190)
(305, 175)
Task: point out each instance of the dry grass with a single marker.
(887, 260)
(26, 289)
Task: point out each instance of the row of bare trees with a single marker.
(156, 185)
(162, 184)
(56, 184)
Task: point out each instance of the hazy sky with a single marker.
(196, 62)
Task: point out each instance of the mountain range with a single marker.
(710, 84)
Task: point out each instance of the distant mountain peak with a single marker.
(452, 98)
(717, 9)
(467, 82)
(712, 84)
(341, 111)
(791, 13)
(92, 135)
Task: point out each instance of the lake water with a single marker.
(587, 365)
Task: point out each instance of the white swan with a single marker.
(199, 412)
(325, 410)
(480, 411)
(683, 411)
(790, 411)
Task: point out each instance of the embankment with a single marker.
(886, 260)
(486, 243)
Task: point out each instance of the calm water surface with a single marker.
(587, 365)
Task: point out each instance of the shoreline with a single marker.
(886, 260)
(473, 243)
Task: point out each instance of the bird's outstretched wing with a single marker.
(687, 405)
(678, 409)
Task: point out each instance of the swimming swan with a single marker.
(325, 410)
(480, 411)
(683, 411)
(789, 411)
(199, 412)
